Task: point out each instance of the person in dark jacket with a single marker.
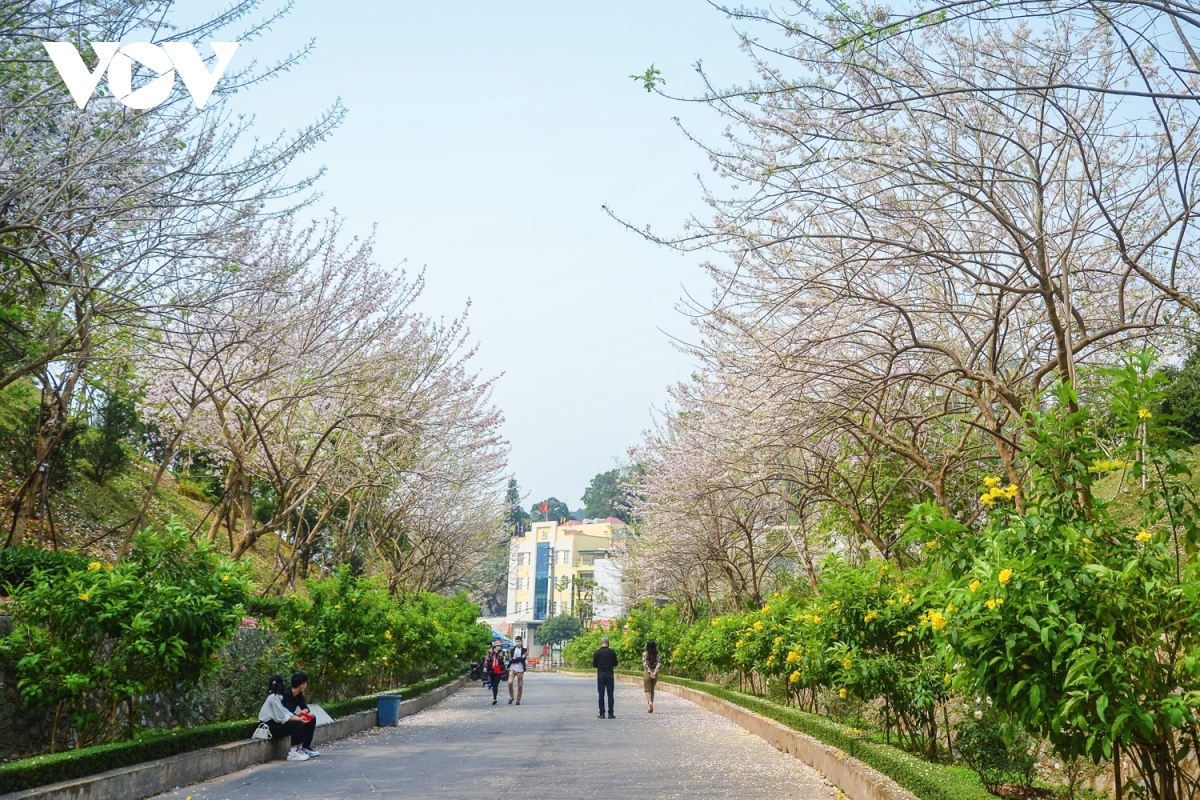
(283, 721)
(493, 668)
(295, 702)
(605, 661)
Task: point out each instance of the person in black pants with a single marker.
(605, 661)
(282, 722)
(493, 667)
(294, 702)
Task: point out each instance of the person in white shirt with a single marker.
(516, 670)
(299, 725)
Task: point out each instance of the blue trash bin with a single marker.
(389, 710)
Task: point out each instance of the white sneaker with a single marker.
(310, 752)
(297, 755)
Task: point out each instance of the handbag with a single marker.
(263, 731)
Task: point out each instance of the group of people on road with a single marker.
(498, 667)
(604, 661)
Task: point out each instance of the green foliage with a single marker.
(1181, 395)
(651, 78)
(517, 516)
(88, 639)
(353, 637)
(1083, 628)
(18, 564)
(237, 686)
(555, 510)
(106, 445)
(1000, 753)
(558, 630)
(605, 497)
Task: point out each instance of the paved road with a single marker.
(551, 746)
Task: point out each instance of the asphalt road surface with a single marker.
(551, 746)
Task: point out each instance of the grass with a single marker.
(926, 780)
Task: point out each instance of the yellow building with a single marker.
(551, 569)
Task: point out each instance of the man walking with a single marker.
(516, 670)
(605, 661)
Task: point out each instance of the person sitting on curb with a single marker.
(294, 702)
(280, 721)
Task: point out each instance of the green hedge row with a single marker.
(345, 708)
(71, 764)
(926, 780)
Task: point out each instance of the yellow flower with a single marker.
(846, 662)
(975, 586)
(766, 609)
(387, 635)
(871, 616)
(794, 677)
(758, 626)
(793, 657)
(739, 643)
(1011, 491)
(993, 602)
(337, 607)
(991, 483)
(937, 620)
(84, 597)
(716, 623)
(906, 599)
(770, 660)
(950, 609)
(1005, 576)
(816, 619)
(778, 639)
(987, 499)
(1144, 536)
(946, 680)
(224, 579)
(298, 626)
(902, 633)
(1144, 413)
(930, 544)
(94, 565)
(842, 693)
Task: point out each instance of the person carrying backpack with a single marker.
(493, 668)
(516, 674)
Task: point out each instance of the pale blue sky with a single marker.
(482, 138)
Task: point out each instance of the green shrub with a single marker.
(264, 607)
(1000, 753)
(89, 640)
(17, 564)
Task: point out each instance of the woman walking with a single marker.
(650, 665)
(493, 668)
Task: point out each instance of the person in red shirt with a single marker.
(493, 668)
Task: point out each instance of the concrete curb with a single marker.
(163, 775)
(858, 780)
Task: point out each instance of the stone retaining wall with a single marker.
(156, 777)
(856, 779)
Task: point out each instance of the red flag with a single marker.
(544, 508)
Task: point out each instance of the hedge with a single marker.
(264, 607)
(18, 563)
(926, 780)
(71, 764)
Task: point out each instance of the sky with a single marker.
(482, 140)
